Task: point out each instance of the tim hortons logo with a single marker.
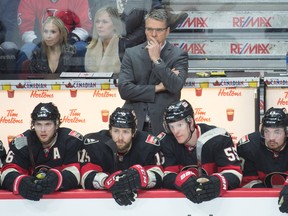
(41, 94)
(200, 115)
(229, 92)
(283, 101)
(104, 94)
(11, 117)
(74, 116)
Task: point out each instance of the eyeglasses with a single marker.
(158, 30)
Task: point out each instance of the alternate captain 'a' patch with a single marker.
(152, 140)
(245, 139)
(76, 134)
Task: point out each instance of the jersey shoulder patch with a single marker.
(89, 141)
(76, 135)
(245, 139)
(20, 142)
(161, 135)
(152, 140)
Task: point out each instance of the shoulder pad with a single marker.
(20, 142)
(152, 140)
(76, 135)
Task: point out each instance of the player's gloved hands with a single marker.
(120, 195)
(187, 184)
(27, 188)
(134, 178)
(283, 199)
(124, 198)
(51, 182)
(211, 187)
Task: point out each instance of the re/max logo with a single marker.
(196, 22)
(247, 48)
(194, 48)
(245, 22)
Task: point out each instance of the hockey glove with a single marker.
(211, 187)
(124, 198)
(51, 182)
(283, 198)
(27, 188)
(120, 195)
(187, 184)
(134, 178)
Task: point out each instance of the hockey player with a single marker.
(264, 155)
(200, 160)
(44, 159)
(74, 13)
(122, 159)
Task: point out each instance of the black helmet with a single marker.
(176, 112)
(123, 118)
(45, 111)
(275, 117)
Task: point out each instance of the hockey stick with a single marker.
(204, 138)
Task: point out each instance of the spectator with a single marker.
(74, 13)
(10, 60)
(55, 54)
(264, 155)
(200, 160)
(152, 74)
(103, 51)
(132, 14)
(43, 159)
(125, 153)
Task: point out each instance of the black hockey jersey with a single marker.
(24, 158)
(218, 156)
(262, 167)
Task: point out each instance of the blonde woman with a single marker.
(55, 54)
(103, 51)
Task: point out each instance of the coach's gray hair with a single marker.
(158, 14)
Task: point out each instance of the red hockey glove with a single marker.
(186, 183)
(51, 182)
(211, 187)
(27, 188)
(111, 181)
(283, 198)
(134, 178)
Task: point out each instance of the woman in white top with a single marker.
(103, 51)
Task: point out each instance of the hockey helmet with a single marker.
(275, 117)
(45, 111)
(123, 118)
(176, 112)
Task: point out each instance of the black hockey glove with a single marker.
(133, 178)
(51, 182)
(124, 198)
(27, 188)
(283, 199)
(73, 38)
(211, 187)
(187, 184)
(120, 195)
